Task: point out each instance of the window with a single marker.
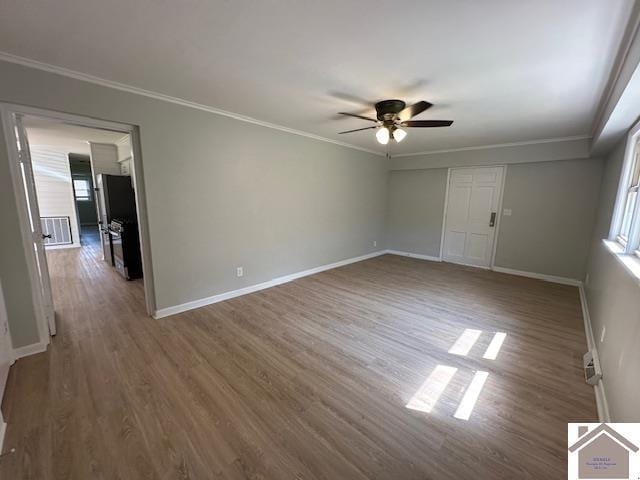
(625, 225)
(82, 188)
(631, 201)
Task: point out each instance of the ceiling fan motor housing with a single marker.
(387, 109)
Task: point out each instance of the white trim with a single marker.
(601, 398)
(414, 255)
(497, 145)
(614, 78)
(165, 312)
(444, 214)
(73, 119)
(494, 250)
(629, 261)
(27, 62)
(27, 350)
(137, 175)
(462, 264)
(3, 431)
(539, 276)
(63, 247)
(624, 183)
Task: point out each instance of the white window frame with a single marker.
(629, 179)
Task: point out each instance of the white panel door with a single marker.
(42, 270)
(472, 214)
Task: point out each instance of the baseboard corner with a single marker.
(32, 349)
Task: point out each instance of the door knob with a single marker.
(492, 220)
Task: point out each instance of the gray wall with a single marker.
(614, 307)
(415, 211)
(553, 205)
(220, 193)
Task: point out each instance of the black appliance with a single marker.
(115, 198)
(125, 243)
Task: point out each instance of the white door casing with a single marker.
(42, 269)
(471, 216)
(6, 358)
(6, 349)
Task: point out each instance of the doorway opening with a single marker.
(80, 196)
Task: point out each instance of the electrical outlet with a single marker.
(375, 244)
(586, 279)
(240, 271)
(506, 212)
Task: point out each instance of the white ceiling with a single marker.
(65, 137)
(503, 70)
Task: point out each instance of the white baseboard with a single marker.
(165, 312)
(539, 276)
(27, 350)
(62, 247)
(601, 398)
(414, 255)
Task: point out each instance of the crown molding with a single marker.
(498, 145)
(27, 62)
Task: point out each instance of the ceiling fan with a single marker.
(393, 114)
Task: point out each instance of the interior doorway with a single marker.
(80, 196)
(84, 198)
(471, 216)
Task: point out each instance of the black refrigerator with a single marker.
(115, 199)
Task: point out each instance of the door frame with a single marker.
(7, 112)
(499, 212)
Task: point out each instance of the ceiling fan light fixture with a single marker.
(399, 134)
(383, 135)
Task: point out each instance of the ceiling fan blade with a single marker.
(427, 123)
(358, 116)
(413, 110)
(357, 130)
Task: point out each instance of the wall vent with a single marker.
(59, 229)
(592, 371)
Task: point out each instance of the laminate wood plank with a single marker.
(309, 379)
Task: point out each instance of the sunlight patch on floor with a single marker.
(471, 395)
(494, 347)
(427, 396)
(465, 342)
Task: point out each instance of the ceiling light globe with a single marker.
(382, 135)
(399, 134)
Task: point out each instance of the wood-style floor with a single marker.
(307, 380)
